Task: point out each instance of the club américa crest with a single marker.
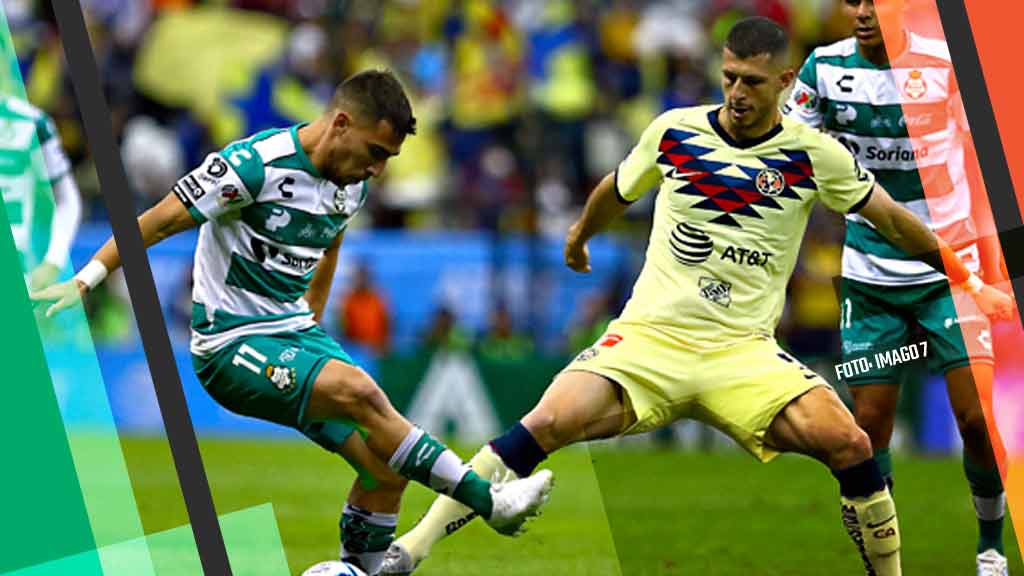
(770, 182)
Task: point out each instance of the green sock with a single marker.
(989, 504)
(475, 492)
(884, 458)
(423, 459)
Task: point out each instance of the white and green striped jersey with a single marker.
(31, 159)
(267, 217)
(868, 108)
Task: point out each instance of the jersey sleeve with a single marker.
(639, 172)
(804, 103)
(56, 161)
(225, 182)
(843, 184)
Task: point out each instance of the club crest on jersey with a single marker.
(715, 290)
(690, 245)
(915, 87)
(282, 377)
(770, 182)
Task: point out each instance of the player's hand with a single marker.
(577, 256)
(44, 275)
(63, 295)
(994, 303)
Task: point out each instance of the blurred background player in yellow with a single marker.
(898, 109)
(736, 185)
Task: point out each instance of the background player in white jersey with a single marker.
(867, 94)
(32, 163)
(273, 209)
(736, 185)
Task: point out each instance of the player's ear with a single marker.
(787, 76)
(341, 121)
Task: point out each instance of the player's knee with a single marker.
(853, 446)
(971, 422)
(547, 428)
(871, 417)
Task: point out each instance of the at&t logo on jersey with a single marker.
(690, 245)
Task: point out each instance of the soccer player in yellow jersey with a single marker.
(736, 184)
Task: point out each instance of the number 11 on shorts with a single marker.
(241, 360)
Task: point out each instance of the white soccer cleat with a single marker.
(517, 501)
(397, 561)
(992, 563)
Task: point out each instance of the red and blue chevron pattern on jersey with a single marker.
(730, 195)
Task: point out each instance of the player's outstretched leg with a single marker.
(344, 391)
(874, 408)
(819, 425)
(980, 464)
(370, 515)
(577, 406)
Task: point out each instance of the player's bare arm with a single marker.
(320, 285)
(162, 221)
(903, 229)
(603, 205)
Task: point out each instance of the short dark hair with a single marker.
(378, 95)
(755, 36)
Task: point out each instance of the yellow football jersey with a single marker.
(728, 221)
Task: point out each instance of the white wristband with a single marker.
(974, 284)
(93, 273)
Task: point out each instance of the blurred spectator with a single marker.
(363, 314)
(591, 324)
(502, 342)
(443, 332)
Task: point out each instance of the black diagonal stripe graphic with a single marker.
(989, 148)
(95, 114)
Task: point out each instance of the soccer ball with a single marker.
(333, 568)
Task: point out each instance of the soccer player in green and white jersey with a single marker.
(867, 94)
(272, 210)
(32, 163)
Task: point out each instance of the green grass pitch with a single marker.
(614, 511)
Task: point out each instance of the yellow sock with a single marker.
(871, 523)
(445, 515)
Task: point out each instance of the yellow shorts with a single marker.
(738, 390)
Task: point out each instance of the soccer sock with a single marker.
(884, 458)
(869, 517)
(423, 459)
(989, 504)
(519, 450)
(366, 536)
(445, 515)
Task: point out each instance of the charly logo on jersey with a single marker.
(690, 245)
(915, 87)
(278, 218)
(715, 290)
(731, 197)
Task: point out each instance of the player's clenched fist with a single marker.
(577, 256)
(63, 295)
(994, 303)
